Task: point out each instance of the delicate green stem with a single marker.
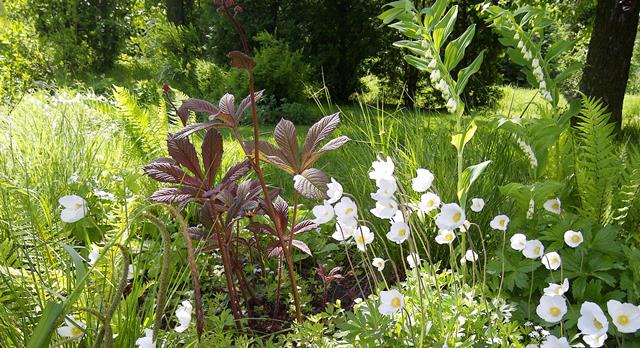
(164, 272)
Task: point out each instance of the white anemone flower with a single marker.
(451, 217)
(398, 217)
(518, 241)
(551, 261)
(595, 341)
(471, 256)
(414, 260)
(552, 308)
(378, 263)
(93, 255)
(382, 169)
(334, 191)
(346, 209)
(399, 232)
(422, 181)
(323, 213)
(428, 202)
(465, 226)
(500, 222)
(386, 188)
(146, 341)
(72, 329)
(573, 238)
(344, 230)
(385, 209)
(445, 237)
(554, 342)
(533, 249)
(363, 236)
(557, 289)
(183, 313)
(625, 316)
(553, 206)
(74, 208)
(477, 204)
(390, 302)
(592, 320)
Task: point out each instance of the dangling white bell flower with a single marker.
(625, 316)
(378, 263)
(72, 329)
(385, 209)
(399, 232)
(477, 204)
(553, 206)
(451, 217)
(551, 261)
(554, 342)
(595, 341)
(386, 188)
(557, 289)
(533, 249)
(363, 236)
(452, 106)
(518, 241)
(573, 238)
(592, 320)
(334, 191)
(74, 208)
(414, 260)
(323, 213)
(552, 308)
(471, 256)
(382, 169)
(432, 64)
(344, 230)
(445, 237)
(146, 341)
(390, 302)
(500, 222)
(535, 63)
(520, 44)
(183, 314)
(93, 255)
(428, 202)
(422, 181)
(516, 36)
(346, 209)
(434, 75)
(543, 85)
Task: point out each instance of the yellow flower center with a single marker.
(598, 325)
(75, 331)
(391, 205)
(575, 238)
(554, 311)
(77, 206)
(536, 250)
(361, 239)
(395, 303)
(555, 206)
(431, 203)
(402, 232)
(501, 223)
(457, 216)
(623, 319)
(448, 237)
(348, 210)
(555, 260)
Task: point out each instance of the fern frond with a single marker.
(626, 198)
(597, 166)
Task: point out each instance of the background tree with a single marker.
(606, 72)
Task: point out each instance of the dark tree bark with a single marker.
(411, 86)
(178, 11)
(610, 49)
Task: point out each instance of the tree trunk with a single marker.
(411, 86)
(610, 49)
(176, 12)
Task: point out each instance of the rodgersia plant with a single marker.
(242, 198)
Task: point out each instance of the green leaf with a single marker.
(78, 262)
(469, 176)
(419, 63)
(47, 323)
(568, 71)
(454, 52)
(437, 10)
(465, 74)
(444, 27)
(414, 46)
(470, 132)
(556, 49)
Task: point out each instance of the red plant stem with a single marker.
(228, 269)
(277, 299)
(258, 170)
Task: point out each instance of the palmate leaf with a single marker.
(320, 130)
(211, 154)
(285, 136)
(312, 183)
(195, 105)
(168, 171)
(183, 152)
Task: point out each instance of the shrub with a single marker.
(271, 110)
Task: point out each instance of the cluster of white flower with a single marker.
(345, 211)
(441, 85)
(538, 73)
